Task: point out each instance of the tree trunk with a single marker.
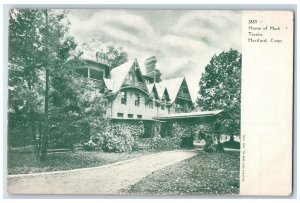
(45, 137)
(33, 132)
(33, 126)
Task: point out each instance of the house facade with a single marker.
(135, 92)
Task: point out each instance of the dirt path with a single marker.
(107, 179)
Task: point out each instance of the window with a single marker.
(139, 116)
(151, 104)
(123, 97)
(120, 115)
(83, 72)
(96, 74)
(163, 104)
(137, 101)
(105, 103)
(130, 115)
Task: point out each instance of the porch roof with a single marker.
(132, 119)
(197, 114)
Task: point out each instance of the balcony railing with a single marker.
(99, 83)
(185, 96)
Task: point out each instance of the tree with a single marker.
(44, 87)
(220, 89)
(115, 55)
(25, 66)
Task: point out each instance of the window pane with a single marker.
(82, 71)
(123, 97)
(95, 74)
(137, 101)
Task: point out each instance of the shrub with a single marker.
(122, 137)
(119, 136)
(231, 144)
(117, 139)
(165, 143)
(90, 146)
(181, 137)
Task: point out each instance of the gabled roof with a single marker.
(160, 89)
(172, 86)
(150, 87)
(109, 83)
(119, 73)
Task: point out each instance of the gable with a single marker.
(134, 78)
(118, 75)
(172, 86)
(184, 91)
(154, 92)
(127, 75)
(166, 95)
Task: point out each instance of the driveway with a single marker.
(109, 179)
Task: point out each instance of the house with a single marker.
(135, 92)
(132, 94)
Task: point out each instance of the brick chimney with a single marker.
(150, 64)
(151, 70)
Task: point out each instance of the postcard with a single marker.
(150, 102)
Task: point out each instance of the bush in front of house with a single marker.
(117, 139)
(165, 143)
(184, 132)
(118, 136)
(181, 137)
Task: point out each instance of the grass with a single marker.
(25, 163)
(204, 174)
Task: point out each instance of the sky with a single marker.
(183, 41)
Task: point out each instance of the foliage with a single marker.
(165, 143)
(115, 55)
(46, 95)
(220, 89)
(181, 137)
(117, 137)
(231, 144)
(204, 174)
(90, 146)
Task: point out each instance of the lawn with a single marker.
(24, 163)
(204, 174)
